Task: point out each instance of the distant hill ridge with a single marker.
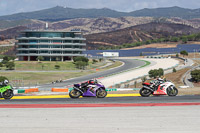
(61, 13)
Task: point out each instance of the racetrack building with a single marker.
(51, 45)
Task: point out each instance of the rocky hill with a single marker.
(137, 33)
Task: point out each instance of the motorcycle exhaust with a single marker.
(148, 88)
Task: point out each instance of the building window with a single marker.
(55, 46)
(44, 46)
(57, 41)
(43, 52)
(23, 41)
(33, 52)
(56, 52)
(32, 41)
(76, 41)
(67, 52)
(44, 41)
(33, 46)
(67, 41)
(67, 46)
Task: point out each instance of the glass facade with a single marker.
(50, 44)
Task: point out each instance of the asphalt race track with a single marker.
(128, 64)
(107, 100)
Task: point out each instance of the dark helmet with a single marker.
(91, 81)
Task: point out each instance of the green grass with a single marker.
(43, 66)
(33, 78)
(50, 66)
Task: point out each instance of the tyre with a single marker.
(145, 92)
(101, 93)
(8, 94)
(172, 91)
(74, 93)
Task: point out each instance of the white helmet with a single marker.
(6, 82)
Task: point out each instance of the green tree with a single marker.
(10, 65)
(195, 75)
(184, 53)
(80, 64)
(94, 61)
(184, 39)
(40, 58)
(81, 58)
(6, 59)
(156, 72)
(174, 39)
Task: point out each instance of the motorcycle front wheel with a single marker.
(8, 94)
(172, 91)
(101, 93)
(145, 92)
(74, 93)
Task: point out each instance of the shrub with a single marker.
(195, 75)
(174, 70)
(10, 65)
(57, 67)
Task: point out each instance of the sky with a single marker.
(16, 6)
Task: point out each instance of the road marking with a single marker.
(67, 96)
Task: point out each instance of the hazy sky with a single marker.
(16, 6)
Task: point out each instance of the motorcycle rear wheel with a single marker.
(101, 93)
(145, 92)
(8, 94)
(74, 93)
(172, 91)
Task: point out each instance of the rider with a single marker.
(157, 82)
(5, 82)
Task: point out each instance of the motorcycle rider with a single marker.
(155, 83)
(5, 82)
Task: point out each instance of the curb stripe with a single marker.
(67, 96)
(93, 105)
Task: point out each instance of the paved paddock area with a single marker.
(182, 119)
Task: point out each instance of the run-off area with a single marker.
(115, 119)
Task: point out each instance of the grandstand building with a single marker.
(51, 45)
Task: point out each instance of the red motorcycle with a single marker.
(158, 88)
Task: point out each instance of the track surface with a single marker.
(109, 100)
(128, 64)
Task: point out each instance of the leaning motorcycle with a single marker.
(86, 89)
(157, 88)
(6, 90)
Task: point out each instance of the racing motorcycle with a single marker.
(158, 88)
(6, 90)
(91, 88)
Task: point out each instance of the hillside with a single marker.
(137, 33)
(95, 25)
(59, 13)
(168, 12)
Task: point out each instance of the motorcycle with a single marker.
(6, 90)
(158, 88)
(87, 89)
